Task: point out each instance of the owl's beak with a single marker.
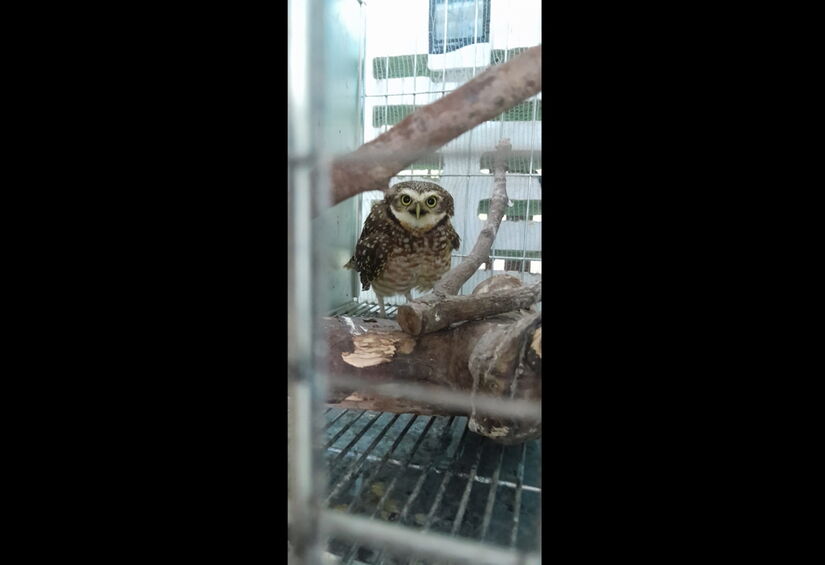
(417, 210)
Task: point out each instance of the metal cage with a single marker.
(372, 487)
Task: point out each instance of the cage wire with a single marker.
(413, 59)
(375, 487)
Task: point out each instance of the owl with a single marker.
(407, 241)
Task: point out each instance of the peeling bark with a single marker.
(454, 360)
(503, 364)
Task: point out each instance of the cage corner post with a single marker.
(325, 51)
(306, 389)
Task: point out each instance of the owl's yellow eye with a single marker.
(405, 199)
(431, 201)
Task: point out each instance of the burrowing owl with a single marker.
(407, 240)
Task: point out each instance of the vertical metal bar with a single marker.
(475, 38)
(300, 486)
(415, 70)
(506, 58)
(468, 200)
(386, 96)
(444, 49)
(306, 475)
(529, 184)
(538, 522)
(362, 59)
(362, 112)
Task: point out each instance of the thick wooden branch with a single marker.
(447, 364)
(418, 318)
(486, 96)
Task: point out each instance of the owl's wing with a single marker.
(371, 251)
(455, 240)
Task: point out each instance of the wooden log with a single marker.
(421, 317)
(448, 366)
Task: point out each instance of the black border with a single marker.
(158, 298)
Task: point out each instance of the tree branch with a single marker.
(418, 318)
(492, 92)
(451, 282)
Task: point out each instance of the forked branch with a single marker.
(441, 308)
(451, 282)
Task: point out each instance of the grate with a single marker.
(364, 309)
(431, 473)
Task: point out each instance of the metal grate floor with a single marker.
(432, 473)
(364, 309)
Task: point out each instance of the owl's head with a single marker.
(419, 205)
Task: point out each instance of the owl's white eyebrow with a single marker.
(418, 195)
